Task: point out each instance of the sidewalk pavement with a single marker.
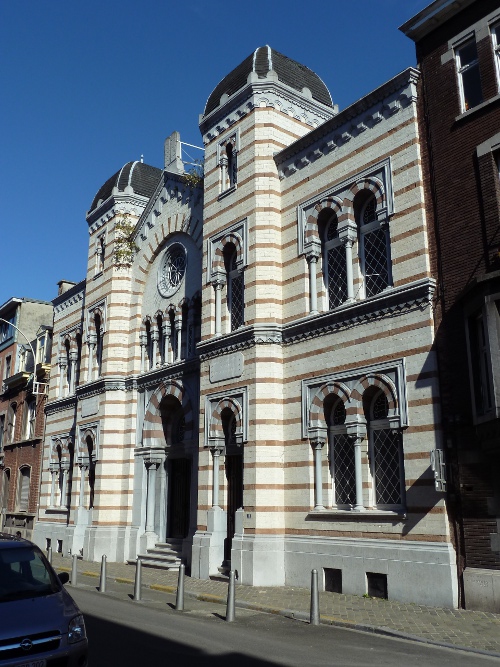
(474, 631)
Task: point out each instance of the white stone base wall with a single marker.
(44, 530)
(117, 542)
(208, 545)
(482, 589)
(418, 572)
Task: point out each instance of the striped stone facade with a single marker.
(263, 386)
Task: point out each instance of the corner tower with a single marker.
(262, 106)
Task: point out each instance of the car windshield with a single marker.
(23, 574)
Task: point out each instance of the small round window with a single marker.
(172, 270)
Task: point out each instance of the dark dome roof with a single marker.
(142, 178)
(261, 61)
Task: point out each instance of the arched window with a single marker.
(235, 288)
(11, 423)
(373, 246)
(231, 165)
(99, 346)
(78, 364)
(334, 259)
(5, 489)
(341, 454)
(385, 452)
(23, 489)
(69, 368)
(29, 419)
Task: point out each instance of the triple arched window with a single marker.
(355, 261)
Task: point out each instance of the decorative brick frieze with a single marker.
(353, 122)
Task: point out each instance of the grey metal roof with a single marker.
(261, 61)
(142, 178)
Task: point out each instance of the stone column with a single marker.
(216, 452)
(178, 336)
(151, 466)
(317, 445)
(92, 341)
(143, 341)
(190, 333)
(53, 473)
(165, 329)
(358, 470)
(81, 500)
(223, 172)
(168, 343)
(312, 259)
(218, 285)
(64, 486)
(154, 353)
(348, 243)
(62, 375)
(73, 358)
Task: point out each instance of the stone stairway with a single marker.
(164, 555)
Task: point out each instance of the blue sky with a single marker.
(87, 86)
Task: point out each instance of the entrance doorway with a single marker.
(179, 486)
(234, 477)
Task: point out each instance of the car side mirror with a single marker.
(63, 577)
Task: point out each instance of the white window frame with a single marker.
(363, 231)
(327, 246)
(100, 253)
(20, 488)
(233, 274)
(377, 426)
(461, 70)
(228, 182)
(495, 37)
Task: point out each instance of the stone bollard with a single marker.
(230, 598)
(74, 570)
(102, 581)
(179, 600)
(138, 582)
(314, 617)
(49, 555)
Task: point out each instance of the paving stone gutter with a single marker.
(473, 631)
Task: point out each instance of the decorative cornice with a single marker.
(171, 372)
(262, 334)
(360, 117)
(104, 384)
(114, 205)
(74, 295)
(392, 302)
(60, 404)
(273, 93)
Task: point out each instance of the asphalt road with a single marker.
(123, 633)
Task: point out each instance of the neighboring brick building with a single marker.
(458, 53)
(251, 382)
(25, 328)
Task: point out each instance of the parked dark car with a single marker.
(40, 624)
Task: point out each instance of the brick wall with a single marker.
(465, 193)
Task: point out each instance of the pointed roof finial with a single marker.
(142, 158)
